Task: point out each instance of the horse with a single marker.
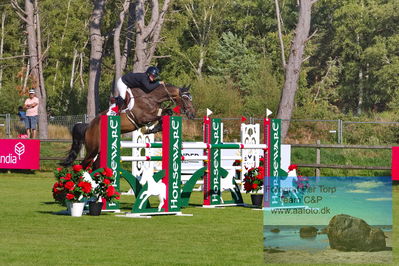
(146, 111)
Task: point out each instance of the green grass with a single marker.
(32, 234)
(356, 157)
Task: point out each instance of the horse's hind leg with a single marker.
(88, 160)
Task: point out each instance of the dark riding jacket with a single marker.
(139, 80)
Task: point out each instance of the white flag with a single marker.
(268, 112)
(208, 112)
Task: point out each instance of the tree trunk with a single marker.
(32, 21)
(43, 133)
(3, 19)
(117, 45)
(129, 36)
(147, 36)
(280, 34)
(293, 68)
(95, 59)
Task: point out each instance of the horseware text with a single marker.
(276, 163)
(175, 164)
(114, 153)
(216, 154)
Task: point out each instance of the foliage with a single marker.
(253, 178)
(103, 189)
(352, 61)
(71, 184)
(221, 98)
(234, 60)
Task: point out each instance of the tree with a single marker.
(32, 19)
(121, 58)
(293, 67)
(96, 53)
(148, 34)
(202, 16)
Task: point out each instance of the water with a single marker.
(288, 238)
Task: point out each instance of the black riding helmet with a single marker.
(152, 71)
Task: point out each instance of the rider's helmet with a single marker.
(154, 71)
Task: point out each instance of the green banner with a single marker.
(287, 189)
(174, 157)
(275, 161)
(215, 167)
(114, 159)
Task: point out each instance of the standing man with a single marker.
(32, 110)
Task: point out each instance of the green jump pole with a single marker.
(110, 151)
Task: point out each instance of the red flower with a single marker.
(107, 181)
(68, 175)
(108, 172)
(237, 163)
(260, 177)
(69, 185)
(77, 167)
(255, 186)
(86, 186)
(59, 169)
(70, 196)
(110, 191)
(247, 187)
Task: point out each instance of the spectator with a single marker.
(22, 118)
(21, 114)
(32, 111)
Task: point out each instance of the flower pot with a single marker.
(257, 199)
(77, 209)
(95, 208)
(68, 205)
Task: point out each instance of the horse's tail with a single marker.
(78, 138)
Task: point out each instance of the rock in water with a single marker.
(308, 231)
(323, 231)
(348, 233)
(275, 230)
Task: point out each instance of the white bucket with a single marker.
(77, 209)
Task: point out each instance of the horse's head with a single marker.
(186, 102)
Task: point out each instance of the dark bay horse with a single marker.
(146, 111)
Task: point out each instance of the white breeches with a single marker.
(122, 88)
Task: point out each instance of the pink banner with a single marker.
(19, 154)
(395, 163)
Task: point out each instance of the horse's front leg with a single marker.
(156, 128)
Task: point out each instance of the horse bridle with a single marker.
(182, 95)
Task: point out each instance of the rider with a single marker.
(145, 81)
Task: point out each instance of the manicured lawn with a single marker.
(32, 234)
